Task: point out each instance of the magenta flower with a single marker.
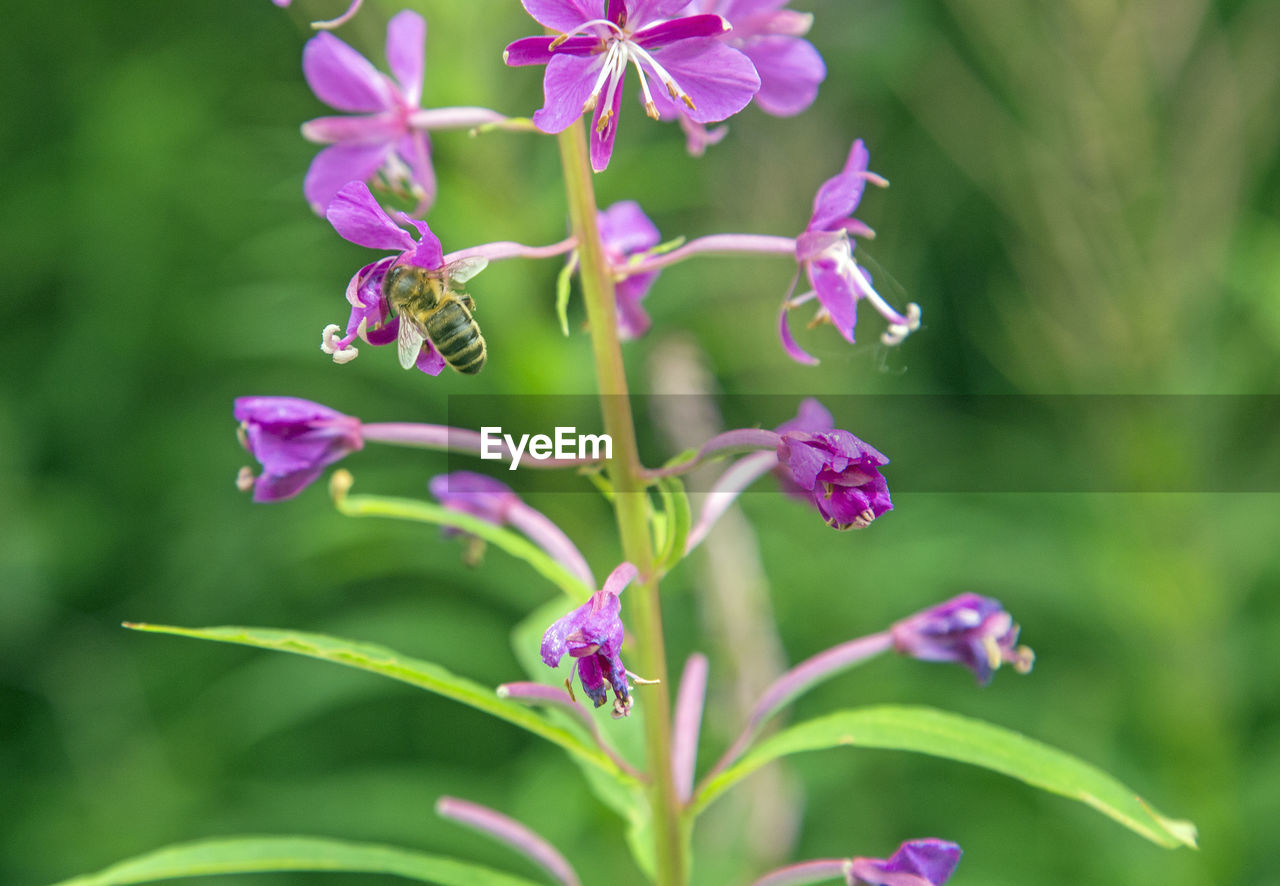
(383, 139)
(359, 218)
(593, 635)
(770, 35)
(825, 253)
(831, 469)
(927, 862)
(969, 629)
(494, 501)
(294, 440)
(626, 231)
(587, 64)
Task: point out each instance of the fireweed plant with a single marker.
(697, 62)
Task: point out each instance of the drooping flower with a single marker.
(587, 64)
(359, 218)
(926, 862)
(294, 440)
(968, 629)
(592, 634)
(831, 469)
(626, 231)
(772, 37)
(825, 253)
(382, 138)
(495, 502)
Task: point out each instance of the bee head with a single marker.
(407, 284)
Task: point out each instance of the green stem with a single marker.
(630, 503)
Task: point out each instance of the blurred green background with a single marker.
(1083, 202)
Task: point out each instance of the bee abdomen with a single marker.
(457, 338)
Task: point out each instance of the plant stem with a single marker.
(630, 503)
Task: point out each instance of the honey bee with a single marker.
(431, 310)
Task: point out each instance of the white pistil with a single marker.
(331, 344)
(245, 479)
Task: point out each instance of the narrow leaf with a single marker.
(245, 855)
(954, 737)
(681, 517)
(379, 660)
(563, 292)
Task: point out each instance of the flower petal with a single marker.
(537, 50)
(429, 359)
(567, 84)
(406, 44)
(839, 196)
(619, 578)
(338, 165)
(812, 416)
(794, 351)
(358, 218)
(563, 15)
(427, 252)
(837, 295)
(633, 320)
(343, 78)
(641, 12)
(626, 229)
(602, 138)
(719, 80)
(681, 29)
(415, 150)
(790, 71)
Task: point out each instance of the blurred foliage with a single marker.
(1083, 202)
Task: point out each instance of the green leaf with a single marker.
(425, 512)
(562, 293)
(246, 855)
(661, 248)
(379, 660)
(941, 734)
(680, 518)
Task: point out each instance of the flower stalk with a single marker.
(630, 501)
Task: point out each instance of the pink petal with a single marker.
(734, 10)
(567, 84)
(836, 295)
(426, 253)
(602, 142)
(681, 29)
(563, 15)
(619, 578)
(797, 353)
(338, 165)
(626, 229)
(537, 50)
(343, 78)
(358, 218)
(415, 150)
(720, 80)
(429, 359)
(790, 71)
(406, 43)
(839, 195)
(641, 12)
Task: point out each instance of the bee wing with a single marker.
(409, 342)
(464, 269)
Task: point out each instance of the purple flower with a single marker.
(971, 630)
(927, 862)
(383, 137)
(587, 63)
(825, 252)
(476, 494)
(790, 68)
(627, 231)
(831, 469)
(360, 219)
(593, 635)
(294, 440)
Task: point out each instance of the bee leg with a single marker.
(469, 302)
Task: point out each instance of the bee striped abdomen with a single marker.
(457, 337)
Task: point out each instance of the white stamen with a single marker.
(605, 71)
(667, 80)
